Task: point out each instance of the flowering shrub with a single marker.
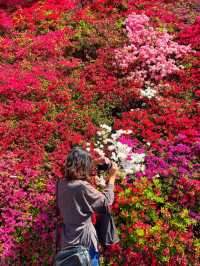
(59, 80)
(171, 161)
(191, 34)
(150, 56)
(154, 231)
(152, 212)
(24, 213)
(121, 149)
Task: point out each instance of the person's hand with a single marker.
(112, 173)
(114, 169)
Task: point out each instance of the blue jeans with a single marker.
(94, 256)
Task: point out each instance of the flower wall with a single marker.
(67, 67)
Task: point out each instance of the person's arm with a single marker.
(96, 201)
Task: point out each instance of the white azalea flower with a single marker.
(114, 136)
(120, 132)
(138, 157)
(106, 127)
(114, 157)
(127, 166)
(148, 92)
(142, 168)
(111, 147)
(122, 155)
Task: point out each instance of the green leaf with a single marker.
(165, 258)
(48, 12)
(120, 23)
(139, 231)
(155, 229)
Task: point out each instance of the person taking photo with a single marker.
(77, 201)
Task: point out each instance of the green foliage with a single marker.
(153, 221)
(120, 23)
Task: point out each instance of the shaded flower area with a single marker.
(120, 78)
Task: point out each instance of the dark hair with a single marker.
(78, 164)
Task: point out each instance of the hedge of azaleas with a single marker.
(66, 68)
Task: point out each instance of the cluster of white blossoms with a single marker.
(148, 92)
(121, 153)
(135, 164)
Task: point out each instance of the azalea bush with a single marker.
(152, 54)
(153, 229)
(68, 67)
(175, 163)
